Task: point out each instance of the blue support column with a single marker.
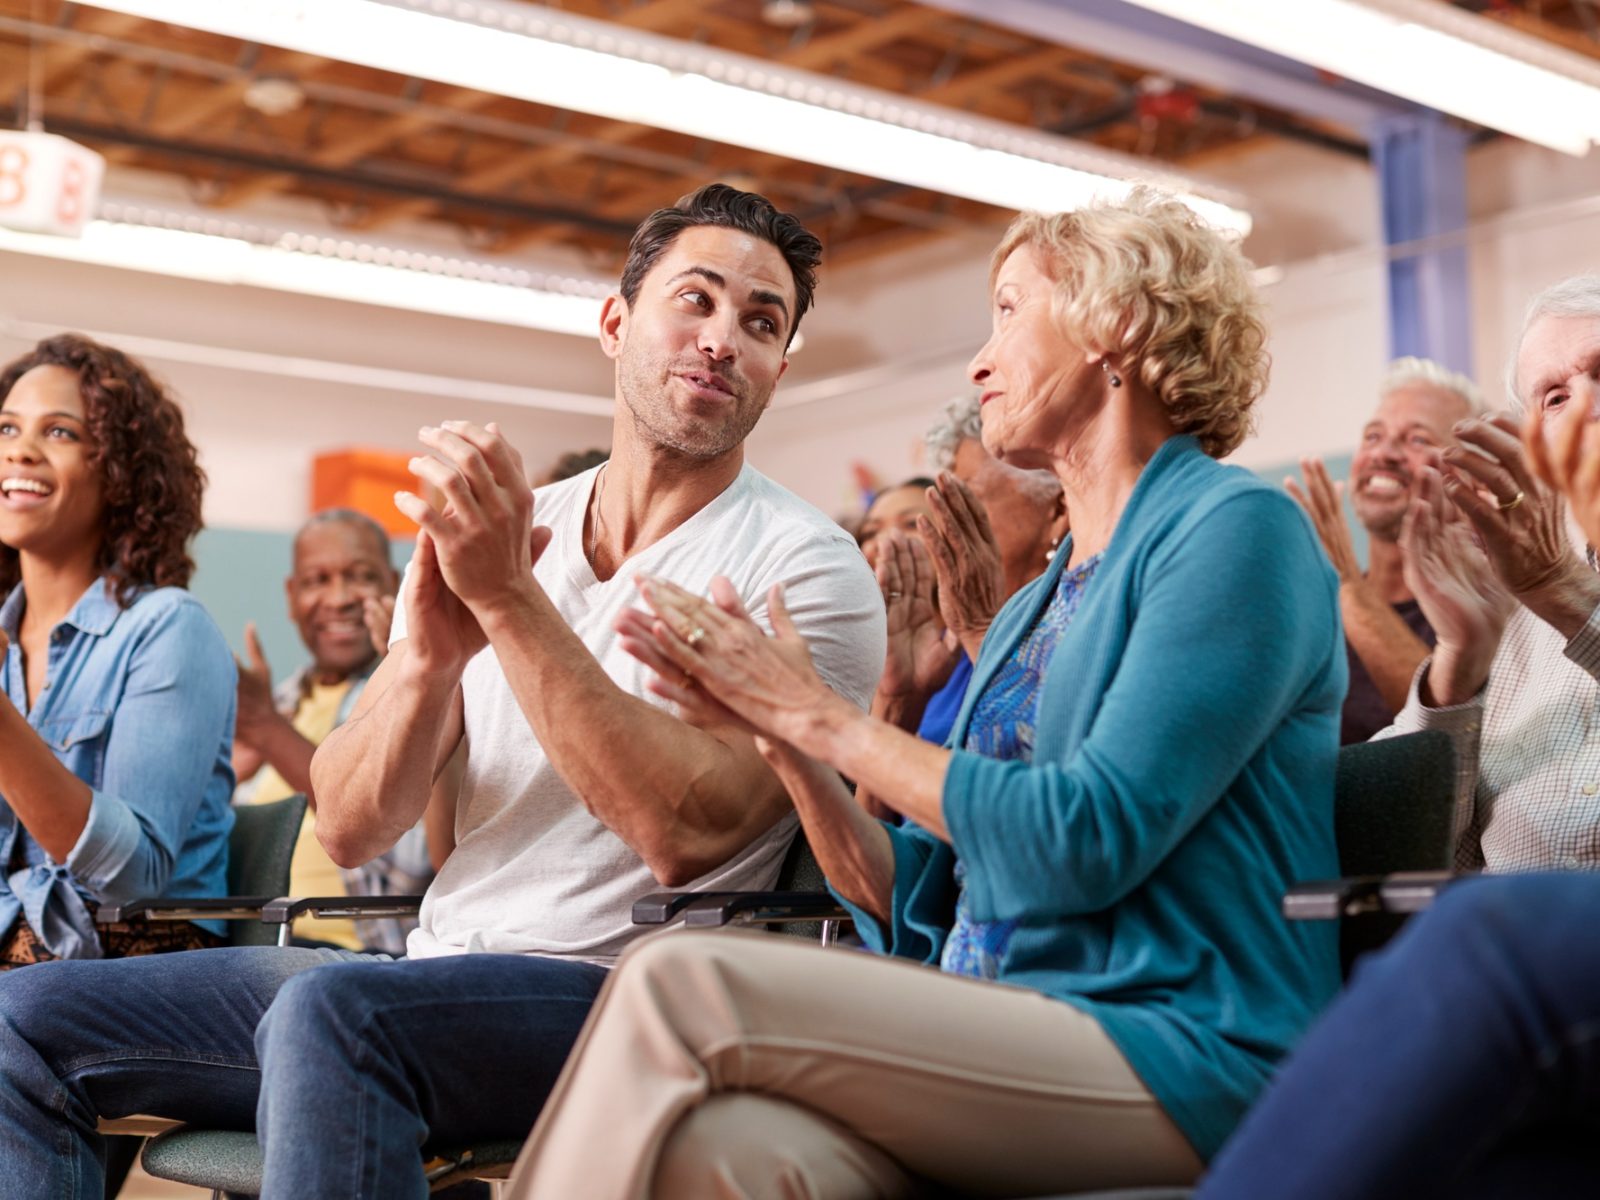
(1421, 164)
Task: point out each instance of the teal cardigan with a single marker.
(1182, 778)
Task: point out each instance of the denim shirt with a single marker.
(139, 704)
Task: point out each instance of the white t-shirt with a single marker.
(533, 871)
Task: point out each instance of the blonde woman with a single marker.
(1081, 978)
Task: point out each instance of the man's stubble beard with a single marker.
(644, 385)
(1384, 527)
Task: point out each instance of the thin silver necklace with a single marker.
(594, 527)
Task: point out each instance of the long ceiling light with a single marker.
(313, 264)
(555, 59)
(1426, 51)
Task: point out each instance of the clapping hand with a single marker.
(480, 539)
(966, 558)
(377, 613)
(769, 683)
(922, 653)
(256, 708)
(480, 547)
(1517, 516)
(1323, 501)
(441, 632)
(1570, 461)
(1463, 600)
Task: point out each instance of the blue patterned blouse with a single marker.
(1002, 727)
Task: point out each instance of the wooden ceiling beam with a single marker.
(61, 59)
(819, 52)
(346, 150)
(1549, 31)
(193, 111)
(658, 15)
(823, 52)
(1003, 74)
(648, 16)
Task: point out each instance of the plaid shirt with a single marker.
(1527, 751)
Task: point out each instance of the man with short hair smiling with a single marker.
(341, 590)
(579, 791)
(1386, 633)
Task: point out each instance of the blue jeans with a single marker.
(346, 1066)
(1462, 1061)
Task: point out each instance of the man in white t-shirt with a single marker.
(580, 791)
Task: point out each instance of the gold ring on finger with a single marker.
(695, 637)
(1508, 505)
(895, 595)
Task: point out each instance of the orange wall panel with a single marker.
(365, 480)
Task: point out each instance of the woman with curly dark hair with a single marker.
(116, 688)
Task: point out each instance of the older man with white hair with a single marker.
(1386, 633)
(1515, 675)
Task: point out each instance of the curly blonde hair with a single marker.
(1147, 283)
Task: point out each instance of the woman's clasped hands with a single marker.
(719, 667)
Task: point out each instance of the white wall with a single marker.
(257, 431)
(1540, 223)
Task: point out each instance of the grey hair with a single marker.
(348, 516)
(959, 421)
(1409, 371)
(1577, 296)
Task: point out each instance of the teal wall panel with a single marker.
(1338, 469)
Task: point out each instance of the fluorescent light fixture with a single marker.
(552, 58)
(312, 264)
(1426, 51)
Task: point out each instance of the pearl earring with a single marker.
(1105, 365)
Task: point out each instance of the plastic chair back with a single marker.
(259, 852)
(1394, 805)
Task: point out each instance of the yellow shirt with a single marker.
(311, 871)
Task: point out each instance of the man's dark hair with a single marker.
(726, 208)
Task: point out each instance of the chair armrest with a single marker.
(1400, 893)
(715, 909)
(287, 908)
(660, 907)
(1330, 899)
(211, 908)
(1413, 891)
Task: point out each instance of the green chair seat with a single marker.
(224, 1160)
(230, 1162)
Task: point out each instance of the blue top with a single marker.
(945, 704)
(1182, 779)
(139, 704)
(1002, 725)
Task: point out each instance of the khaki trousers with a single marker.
(724, 1066)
